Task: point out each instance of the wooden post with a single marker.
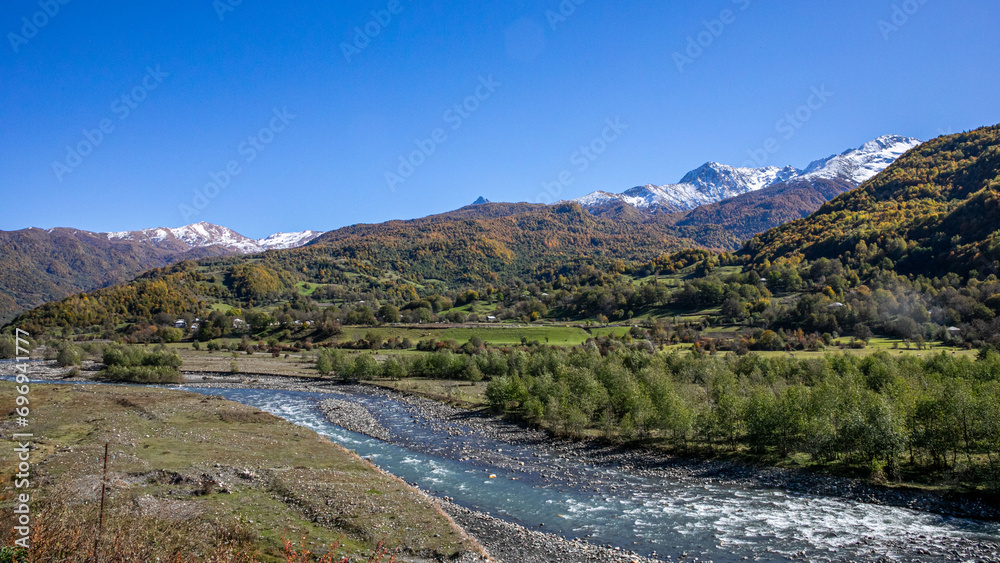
(104, 486)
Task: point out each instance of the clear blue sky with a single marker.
(197, 85)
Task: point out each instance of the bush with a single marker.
(171, 334)
(141, 374)
(135, 364)
(69, 355)
(8, 349)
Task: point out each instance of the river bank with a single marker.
(559, 463)
(456, 421)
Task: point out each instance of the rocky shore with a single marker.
(657, 464)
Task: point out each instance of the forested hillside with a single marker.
(876, 264)
(933, 212)
(494, 244)
(38, 266)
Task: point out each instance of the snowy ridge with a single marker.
(281, 241)
(864, 162)
(200, 235)
(714, 182)
(710, 183)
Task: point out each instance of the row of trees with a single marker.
(878, 412)
(890, 415)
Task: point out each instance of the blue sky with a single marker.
(279, 116)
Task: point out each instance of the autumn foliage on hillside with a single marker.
(931, 213)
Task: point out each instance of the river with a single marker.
(627, 509)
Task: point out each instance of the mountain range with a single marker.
(715, 206)
(200, 235)
(39, 265)
(930, 213)
(713, 182)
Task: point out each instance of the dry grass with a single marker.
(195, 478)
(302, 365)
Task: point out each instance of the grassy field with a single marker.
(414, 333)
(305, 288)
(606, 330)
(880, 345)
(189, 474)
(553, 335)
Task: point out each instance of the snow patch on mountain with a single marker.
(199, 235)
(714, 182)
(861, 164)
(281, 241)
(710, 183)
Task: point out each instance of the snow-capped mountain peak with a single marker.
(713, 178)
(706, 184)
(203, 234)
(864, 162)
(713, 182)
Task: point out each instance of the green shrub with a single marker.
(13, 555)
(142, 374)
(138, 365)
(171, 334)
(69, 355)
(8, 349)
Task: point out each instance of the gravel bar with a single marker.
(353, 417)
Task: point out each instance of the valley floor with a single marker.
(513, 543)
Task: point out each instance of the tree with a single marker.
(323, 364)
(862, 332)
(361, 315)
(7, 348)
(171, 334)
(374, 340)
(365, 368)
(258, 320)
(393, 369)
(69, 355)
(389, 313)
